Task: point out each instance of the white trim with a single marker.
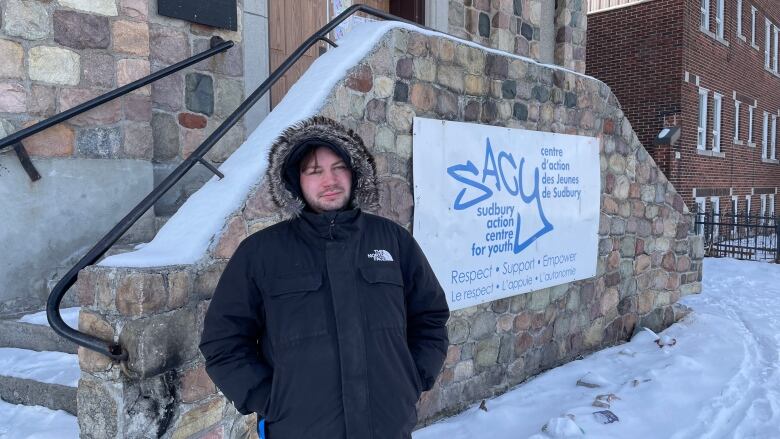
(701, 209)
(773, 151)
(739, 19)
(717, 109)
(777, 35)
(768, 44)
(719, 25)
(704, 16)
(765, 138)
(736, 120)
(771, 209)
(751, 110)
(753, 12)
(762, 212)
(734, 213)
(715, 214)
(747, 204)
(701, 137)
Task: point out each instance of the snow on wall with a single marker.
(186, 237)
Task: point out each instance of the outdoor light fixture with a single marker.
(668, 136)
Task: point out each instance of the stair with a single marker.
(39, 374)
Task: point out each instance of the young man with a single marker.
(329, 324)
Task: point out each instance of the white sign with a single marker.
(503, 211)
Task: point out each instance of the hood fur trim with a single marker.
(365, 193)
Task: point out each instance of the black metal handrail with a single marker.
(114, 350)
(217, 45)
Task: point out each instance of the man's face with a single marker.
(326, 181)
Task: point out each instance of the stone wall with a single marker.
(56, 55)
(647, 259)
(551, 31)
(509, 25)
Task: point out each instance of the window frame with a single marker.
(734, 213)
(701, 136)
(777, 36)
(768, 44)
(704, 17)
(736, 120)
(701, 210)
(753, 13)
(773, 149)
(751, 112)
(739, 20)
(715, 201)
(765, 138)
(719, 18)
(762, 213)
(717, 110)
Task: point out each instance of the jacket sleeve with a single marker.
(427, 313)
(231, 332)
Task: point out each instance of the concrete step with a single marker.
(47, 379)
(32, 332)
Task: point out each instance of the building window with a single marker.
(768, 44)
(719, 7)
(753, 11)
(771, 211)
(739, 19)
(747, 205)
(716, 111)
(715, 203)
(774, 137)
(765, 138)
(774, 63)
(705, 14)
(750, 125)
(734, 213)
(762, 212)
(701, 141)
(700, 212)
(736, 121)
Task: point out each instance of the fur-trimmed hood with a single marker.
(322, 130)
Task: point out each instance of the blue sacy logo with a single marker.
(497, 170)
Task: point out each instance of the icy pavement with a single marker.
(69, 315)
(34, 422)
(719, 379)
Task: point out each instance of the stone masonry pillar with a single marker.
(570, 34)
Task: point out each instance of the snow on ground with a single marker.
(45, 367)
(34, 422)
(719, 380)
(69, 315)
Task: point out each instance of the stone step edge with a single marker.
(24, 391)
(15, 334)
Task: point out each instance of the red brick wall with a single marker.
(636, 50)
(726, 69)
(643, 51)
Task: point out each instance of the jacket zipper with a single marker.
(330, 229)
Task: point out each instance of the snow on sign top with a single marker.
(185, 238)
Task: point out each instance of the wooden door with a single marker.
(290, 23)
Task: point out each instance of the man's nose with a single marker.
(328, 178)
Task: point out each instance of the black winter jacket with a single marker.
(328, 326)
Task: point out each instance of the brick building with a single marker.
(709, 67)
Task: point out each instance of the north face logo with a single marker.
(380, 255)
